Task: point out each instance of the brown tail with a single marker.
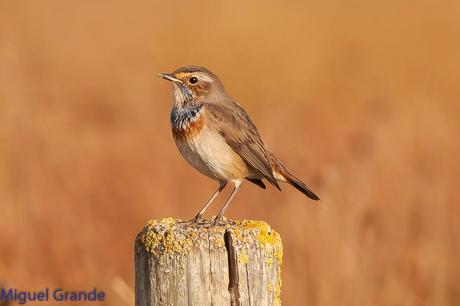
(291, 179)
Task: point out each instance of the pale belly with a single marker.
(212, 156)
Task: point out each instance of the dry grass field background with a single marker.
(361, 99)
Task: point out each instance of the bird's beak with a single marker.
(169, 77)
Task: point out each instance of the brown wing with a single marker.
(240, 133)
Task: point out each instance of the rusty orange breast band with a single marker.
(187, 123)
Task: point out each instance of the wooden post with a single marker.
(238, 263)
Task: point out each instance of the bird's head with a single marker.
(194, 84)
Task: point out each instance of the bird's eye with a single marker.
(193, 80)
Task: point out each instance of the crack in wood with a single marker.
(232, 270)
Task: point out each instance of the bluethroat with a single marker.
(218, 138)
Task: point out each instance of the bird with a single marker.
(217, 137)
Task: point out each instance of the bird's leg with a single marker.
(221, 212)
(199, 215)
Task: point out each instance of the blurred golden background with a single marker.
(360, 99)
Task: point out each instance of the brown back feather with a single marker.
(234, 124)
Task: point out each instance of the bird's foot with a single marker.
(217, 221)
(198, 220)
(201, 222)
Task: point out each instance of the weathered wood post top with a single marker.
(236, 263)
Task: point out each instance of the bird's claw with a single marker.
(219, 220)
(196, 221)
(199, 221)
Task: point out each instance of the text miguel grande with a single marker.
(13, 295)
